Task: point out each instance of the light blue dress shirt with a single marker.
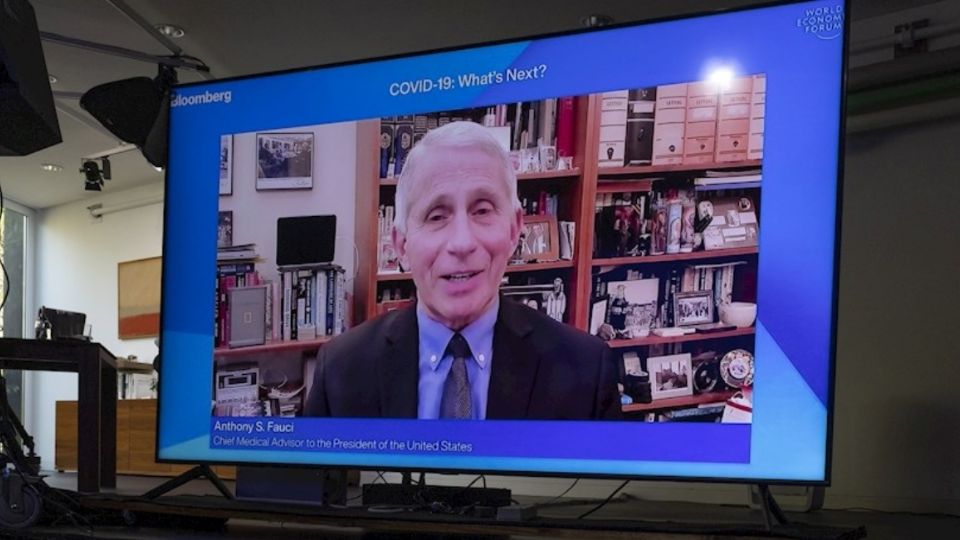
(435, 364)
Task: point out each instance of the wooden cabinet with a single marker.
(136, 440)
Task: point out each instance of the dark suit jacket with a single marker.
(542, 369)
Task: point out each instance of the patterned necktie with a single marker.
(456, 389)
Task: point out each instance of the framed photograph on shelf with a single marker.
(226, 165)
(693, 307)
(284, 161)
(633, 306)
(539, 240)
(670, 376)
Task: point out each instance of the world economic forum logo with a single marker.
(824, 22)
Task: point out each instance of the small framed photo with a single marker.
(670, 376)
(693, 307)
(225, 229)
(284, 161)
(539, 239)
(226, 165)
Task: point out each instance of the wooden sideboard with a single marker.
(136, 438)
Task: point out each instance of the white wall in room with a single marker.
(255, 212)
(76, 270)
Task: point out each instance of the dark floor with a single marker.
(882, 526)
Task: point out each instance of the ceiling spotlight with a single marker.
(51, 167)
(52, 78)
(92, 177)
(170, 30)
(158, 169)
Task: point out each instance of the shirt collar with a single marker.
(434, 336)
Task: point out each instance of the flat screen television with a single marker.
(658, 300)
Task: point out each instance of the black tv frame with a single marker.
(828, 451)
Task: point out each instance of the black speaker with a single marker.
(28, 120)
(128, 108)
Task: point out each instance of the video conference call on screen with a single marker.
(561, 255)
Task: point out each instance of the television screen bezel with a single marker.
(828, 450)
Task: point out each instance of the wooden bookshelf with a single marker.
(624, 186)
(678, 402)
(658, 340)
(544, 175)
(275, 346)
(693, 256)
(651, 170)
(578, 189)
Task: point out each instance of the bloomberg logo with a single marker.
(180, 100)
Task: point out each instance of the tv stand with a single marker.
(200, 471)
(771, 510)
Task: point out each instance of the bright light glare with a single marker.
(721, 78)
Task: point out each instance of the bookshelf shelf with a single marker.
(696, 255)
(532, 267)
(276, 346)
(646, 170)
(544, 175)
(623, 186)
(657, 340)
(677, 402)
(529, 267)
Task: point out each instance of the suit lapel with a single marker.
(515, 363)
(397, 370)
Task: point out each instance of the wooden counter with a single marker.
(136, 438)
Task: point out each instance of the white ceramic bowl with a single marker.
(739, 314)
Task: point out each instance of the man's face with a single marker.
(462, 229)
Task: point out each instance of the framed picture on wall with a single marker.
(284, 161)
(226, 165)
(225, 229)
(138, 298)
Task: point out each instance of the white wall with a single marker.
(255, 212)
(76, 269)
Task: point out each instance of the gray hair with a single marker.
(451, 136)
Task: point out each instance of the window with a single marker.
(13, 234)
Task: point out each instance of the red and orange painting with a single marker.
(139, 298)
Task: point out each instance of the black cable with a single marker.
(6, 277)
(548, 502)
(605, 501)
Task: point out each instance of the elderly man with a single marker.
(462, 352)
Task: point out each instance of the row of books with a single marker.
(518, 126)
(543, 204)
(312, 303)
(688, 123)
(229, 276)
